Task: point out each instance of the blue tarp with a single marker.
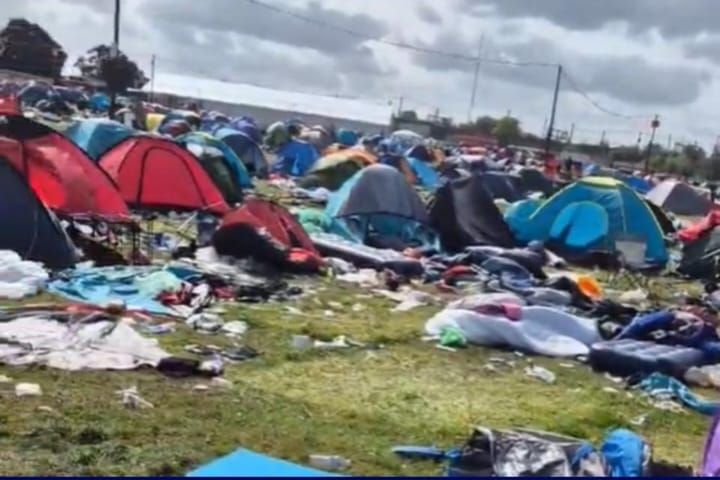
(244, 463)
(99, 286)
(233, 162)
(624, 452)
(627, 213)
(426, 175)
(244, 147)
(97, 135)
(638, 184)
(296, 158)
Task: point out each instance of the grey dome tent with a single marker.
(679, 198)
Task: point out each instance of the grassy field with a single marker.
(357, 403)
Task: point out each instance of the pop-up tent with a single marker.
(156, 173)
(64, 178)
(29, 229)
(378, 207)
(245, 148)
(463, 214)
(592, 215)
(97, 135)
(331, 171)
(296, 158)
(679, 198)
(209, 145)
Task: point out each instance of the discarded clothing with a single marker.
(87, 345)
(541, 330)
(472, 302)
(626, 454)
(662, 387)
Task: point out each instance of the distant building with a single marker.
(268, 105)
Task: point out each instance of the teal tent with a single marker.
(205, 142)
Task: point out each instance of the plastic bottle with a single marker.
(329, 463)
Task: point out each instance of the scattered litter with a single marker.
(213, 367)
(617, 380)
(339, 266)
(5, 379)
(46, 409)
(237, 328)
(202, 350)
(611, 390)
(490, 368)
(518, 354)
(453, 337)
(447, 349)
(132, 399)
(335, 305)
(541, 373)
(634, 296)
(329, 463)
(294, 311)
(28, 390)
(201, 387)
(363, 278)
(302, 342)
(358, 307)
(407, 298)
(567, 365)
(205, 322)
(639, 421)
(162, 329)
(220, 382)
(338, 343)
(706, 376)
(239, 354)
(668, 406)
(20, 278)
(329, 313)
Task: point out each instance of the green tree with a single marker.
(485, 124)
(507, 130)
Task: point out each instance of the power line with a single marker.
(573, 84)
(396, 44)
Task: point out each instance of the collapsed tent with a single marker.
(155, 173)
(331, 171)
(97, 135)
(593, 214)
(378, 207)
(245, 148)
(679, 198)
(211, 146)
(504, 186)
(29, 229)
(464, 214)
(699, 256)
(60, 174)
(533, 180)
(265, 231)
(295, 158)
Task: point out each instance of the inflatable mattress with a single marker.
(362, 256)
(627, 357)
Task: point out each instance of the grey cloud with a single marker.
(429, 14)
(707, 49)
(628, 78)
(672, 18)
(248, 19)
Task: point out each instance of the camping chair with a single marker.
(631, 250)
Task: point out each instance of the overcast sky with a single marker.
(635, 57)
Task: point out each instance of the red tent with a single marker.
(266, 231)
(60, 173)
(156, 173)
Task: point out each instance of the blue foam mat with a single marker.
(244, 463)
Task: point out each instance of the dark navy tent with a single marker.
(245, 148)
(296, 158)
(28, 227)
(249, 127)
(97, 135)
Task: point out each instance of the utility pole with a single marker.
(551, 125)
(400, 106)
(572, 133)
(152, 79)
(473, 96)
(115, 52)
(654, 124)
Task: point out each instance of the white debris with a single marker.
(28, 390)
(219, 382)
(639, 421)
(358, 307)
(364, 278)
(634, 296)
(20, 278)
(541, 373)
(338, 343)
(236, 328)
(132, 399)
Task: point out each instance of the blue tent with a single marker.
(28, 227)
(99, 102)
(426, 175)
(296, 158)
(577, 226)
(233, 162)
(96, 136)
(249, 127)
(638, 184)
(377, 206)
(347, 137)
(244, 147)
